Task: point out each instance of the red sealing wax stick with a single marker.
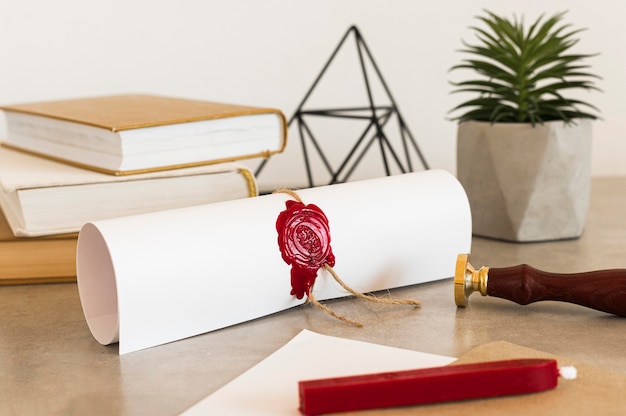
(427, 385)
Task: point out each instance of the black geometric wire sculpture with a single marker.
(378, 116)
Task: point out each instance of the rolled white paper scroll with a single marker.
(149, 279)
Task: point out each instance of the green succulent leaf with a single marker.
(524, 72)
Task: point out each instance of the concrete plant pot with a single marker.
(526, 183)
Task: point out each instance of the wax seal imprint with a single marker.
(304, 242)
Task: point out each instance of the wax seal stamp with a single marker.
(603, 290)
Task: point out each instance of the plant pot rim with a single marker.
(511, 123)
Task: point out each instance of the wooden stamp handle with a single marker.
(603, 290)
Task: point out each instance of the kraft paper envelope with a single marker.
(595, 391)
(270, 387)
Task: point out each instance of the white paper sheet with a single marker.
(154, 278)
(271, 387)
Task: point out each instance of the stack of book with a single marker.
(65, 163)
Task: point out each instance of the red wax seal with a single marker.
(304, 242)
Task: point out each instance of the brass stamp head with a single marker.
(468, 280)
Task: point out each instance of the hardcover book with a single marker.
(49, 259)
(128, 134)
(41, 197)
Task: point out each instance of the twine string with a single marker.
(289, 192)
(329, 311)
(371, 298)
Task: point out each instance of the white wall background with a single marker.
(268, 52)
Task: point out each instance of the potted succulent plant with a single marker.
(523, 146)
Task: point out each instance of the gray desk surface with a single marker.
(50, 363)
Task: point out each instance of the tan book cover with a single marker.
(50, 259)
(131, 111)
(105, 133)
